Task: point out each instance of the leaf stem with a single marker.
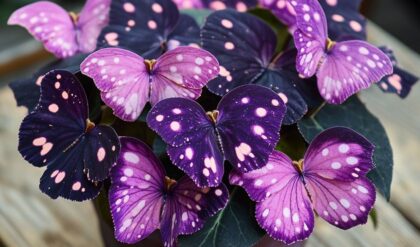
(314, 113)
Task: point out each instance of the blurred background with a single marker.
(29, 218)
(399, 18)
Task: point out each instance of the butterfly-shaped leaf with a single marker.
(400, 82)
(58, 134)
(243, 130)
(127, 81)
(283, 10)
(344, 19)
(354, 114)
(27, 91)
(148, 27)
(64, 34)
(345, 22)
(330, 179)
(142, 199)
(239, 5)
(342, 68)
(245, 47)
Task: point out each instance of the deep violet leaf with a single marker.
(61, 33)
(354, 114)
(27, 90)
(58, 134)
(342, 68)
(233, 226)
(400, 81)
(245, 47)
(148, 28)
(344, 19)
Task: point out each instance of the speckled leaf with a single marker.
(353, 114)
(233, 226)
(27, 90)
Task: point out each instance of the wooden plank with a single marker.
(401, 119)
(393, 230)
(28, 217)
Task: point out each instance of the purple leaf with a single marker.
(339, 154)
(58, 135)
(92, 19)
(127, 81)
(142, 199)
(249, 58)
(148, 27)
(350, 67)
(62, 34)
(400, 82)
(283, 10)
(186, 66)
(172, 119)
(135, 194)
(189, 4)
(243, 130)
(239, 5)
(192, 140)
(122, 78)
(27, 91)
(342, 68)
(331, 179)
(343, 204)
(283, 206)
(335, 165)
(344, 19)
(188, 207)
(203, 162)
(248, 123)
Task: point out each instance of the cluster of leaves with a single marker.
(235, 224)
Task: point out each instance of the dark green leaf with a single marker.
(267, 241)
(283, 36)
(102, 207)
(143, 115)
(138, 130)
(353, 114)
(291, 142)
(159, 146)
(233, 226)
(199, 15)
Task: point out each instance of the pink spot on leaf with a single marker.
(76, 186)
(60, 177)
(101, 154)
(129, 7)
(39, 141)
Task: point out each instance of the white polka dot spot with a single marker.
(175, 126)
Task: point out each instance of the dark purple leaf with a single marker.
(57, 134)
(148, 27)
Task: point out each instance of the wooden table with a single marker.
(29, 218)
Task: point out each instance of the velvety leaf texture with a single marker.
(27, 90)
(233, 226)
(354, 114)
(148, 27)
